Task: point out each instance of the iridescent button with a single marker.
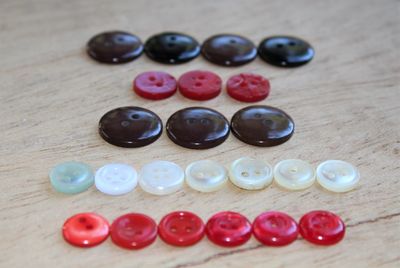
(206, 176)
(337, 176)
(294, 174)
(71, 177)
(250, 174)
(116, 179)
(248, 87)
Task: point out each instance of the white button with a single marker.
(161, 177)
(294, 174)
(206, 176)
(337, 176)
(116, 179)
(250, 174)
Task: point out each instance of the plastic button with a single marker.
(206, 176)
(155, 85)
(200, 85)
(294, 174)
(248, 87)
(250, 174)
(71, 177)
(116, 179)
(337, 176)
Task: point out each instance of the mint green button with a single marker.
(71, 177)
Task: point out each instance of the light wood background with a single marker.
(345, 104)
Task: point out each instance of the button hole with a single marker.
(82, 220)
(188, 229)
(139, 232)
(172, 38)
(89, 227)
(232, 41)
(279, 45)
(291, 43)
(202, 77)
(159, 84)
(244, 174)
(223, 226)
(173, 229)
(198, 84)
(152, 78)
(135, 116)
(171, 44)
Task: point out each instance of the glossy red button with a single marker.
(85, 230)
(154, 85)
(322, 227)
(275, 228)
(248, 87)
(133, 231)
(228, 229)
(200, 85)
(181, 228)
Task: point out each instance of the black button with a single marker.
(285, 51)
(172, 48)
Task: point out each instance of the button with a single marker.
(248, 87)
(262, 125)
(181, 228)
(155, 85)
(200, 85)
(130, 127)
(85, 230)
(71, 177)
(197, 128)
(250, 174)
(337, 176)
(322, 228)
(114, 47)
(172, 48)
(228, 229)
(275, 228)
(285, 51)
(294, 174)
(206, 176)
(133, 231)
(161, 177)
(116, 179)
(229, 50)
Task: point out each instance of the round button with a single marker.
(285, 51)
(229, 50)
(133, 231)
(228, 229)
(197, 128)
(275, 228)
(248, 87)
(337, 176)
(262, 125)
(114, 47)
(294, 174)
(85, 230)
(206, 176)
(172, 48)
(161, 177)
(181, 228)
(71, 177)
(250, 174)
(154, 85)
(116, 179)
(200, 85)
(322, 228)
(130, 127)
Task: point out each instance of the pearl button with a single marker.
(161, 177)
(116, 179)
(206, 176)
(250, 174)
(337, 176)
(294, 174)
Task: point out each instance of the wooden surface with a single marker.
(345, 103)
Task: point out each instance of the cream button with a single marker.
(250, 174)
(161, 177)
(337, 176)
(205, 176)
(116, 179)
(294, 174)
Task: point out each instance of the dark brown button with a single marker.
(229, 50)
(114, 47)
(130, 127)
(197, 128)
(261, 125)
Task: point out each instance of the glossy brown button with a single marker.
(261, 125)
(130, 127)
(114, 47)
(229, 50)
(197, 128)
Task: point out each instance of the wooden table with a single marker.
(345, 103)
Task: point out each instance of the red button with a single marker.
(181, 228)
(322, 228)
(85, 230)
(275, 228)
(133, 231)
(154, 85)
(200, 85)
(248, 87)
(228, 229)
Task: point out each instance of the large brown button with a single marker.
(261, 125)
(229, 50)
(197, 128)
(130, 127)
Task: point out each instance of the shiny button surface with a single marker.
(250, 174)
(71, 177)
(294, 174)
(247, 87)
(206, 176)
(116, 179)
(337, 176)
(155, 85)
